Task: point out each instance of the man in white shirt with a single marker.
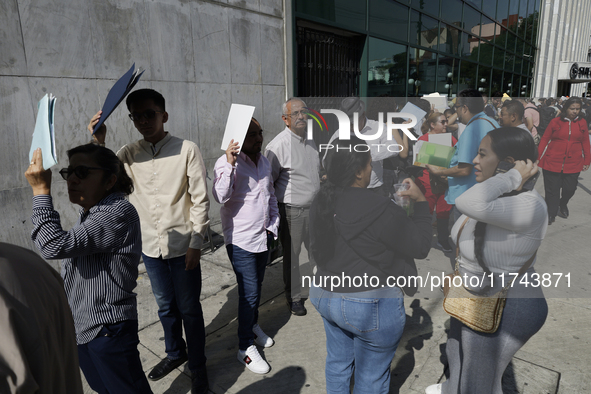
(295, 167)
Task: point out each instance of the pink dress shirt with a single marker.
(250, 206)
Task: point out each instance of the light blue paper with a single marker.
(44, 136)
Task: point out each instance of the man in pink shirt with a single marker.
(250, 217)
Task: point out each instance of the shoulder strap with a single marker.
(458, 245)
(491, 123)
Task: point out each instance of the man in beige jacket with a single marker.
(171, 199)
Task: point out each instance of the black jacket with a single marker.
(372, 236)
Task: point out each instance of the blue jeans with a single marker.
(250, 271)
(362, 333)
(111, 362)
(177, 294)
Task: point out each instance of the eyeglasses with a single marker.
(443, 121)
(81, 172)
(297, 114)
(148, 114)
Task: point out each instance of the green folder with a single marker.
(434, 154)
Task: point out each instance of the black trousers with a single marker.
(554, 184)
(111, 362)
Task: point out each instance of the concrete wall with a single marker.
(201, 55)
(564, 36)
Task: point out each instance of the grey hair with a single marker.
(284, 106)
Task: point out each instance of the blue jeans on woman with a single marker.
(362, 333)
(250, 271)
(177, 294)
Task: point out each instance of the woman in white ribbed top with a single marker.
(506, 226)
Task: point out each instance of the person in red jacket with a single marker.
(564, 153)
(436, 123)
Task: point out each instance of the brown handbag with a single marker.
(480, 313)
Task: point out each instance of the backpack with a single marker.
(546, 115)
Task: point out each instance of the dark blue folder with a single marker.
(117, 93)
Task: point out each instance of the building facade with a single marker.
(415, 47)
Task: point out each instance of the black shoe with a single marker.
(563, 212)
(199, 382)
(297, 307)
(164, 367)
(551, 220)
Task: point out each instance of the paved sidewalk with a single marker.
(556, 360)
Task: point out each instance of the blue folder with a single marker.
(44, 136)
(117, 93)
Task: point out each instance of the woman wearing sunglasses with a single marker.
(100, 258)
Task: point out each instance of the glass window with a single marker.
(486, 53)
(470, 46)
(503, 11)
(349, 13)
(509, 61)
(423, 30)
(423, 68)
(531, 6)
(449, 39)
(490, 8)
(501, 38)
(430, 6)
(467, 73)
(511, 41)
(475, 3)
(513, 21)
(507, 83)
(447, 75)
(499, 58)
(451, 12)
(484, 79)
(472, 20)
(518, 64)
(387, 68)
(388, 18)
(496, 82)
(488, 29)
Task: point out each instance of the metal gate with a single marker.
(328, 64)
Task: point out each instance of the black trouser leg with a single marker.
(569, 186)
(552, 185)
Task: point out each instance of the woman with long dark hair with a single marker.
(359, 240)
(564, 153)
(503, 227)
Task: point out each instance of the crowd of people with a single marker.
(149, 201)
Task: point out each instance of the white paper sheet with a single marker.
(438, 101)
(237, 124)
(44, 135)
(441, 139)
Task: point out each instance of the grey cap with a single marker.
(351, 105)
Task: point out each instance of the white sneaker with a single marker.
(433, 389)
(260, 338)
(253, 360)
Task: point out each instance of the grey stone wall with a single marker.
(201, 55)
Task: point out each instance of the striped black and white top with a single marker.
(100, 260)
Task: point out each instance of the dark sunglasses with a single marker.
(148, 114)
(81, 172)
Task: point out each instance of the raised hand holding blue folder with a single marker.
(44, 136)
(117, 93)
